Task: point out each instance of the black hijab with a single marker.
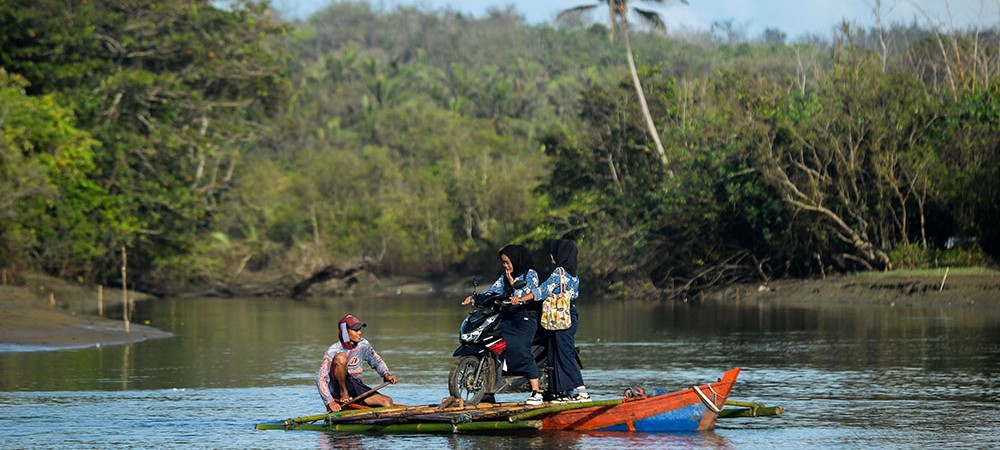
(520, 258)
(564, 252)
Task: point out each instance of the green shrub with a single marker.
(910, 256)
(971, 256)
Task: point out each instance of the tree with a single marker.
(172, 92)
(618, 18)
(45, 193)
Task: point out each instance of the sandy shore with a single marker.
(43, 313)
(27, 328)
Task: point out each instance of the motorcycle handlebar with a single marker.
(493, 302)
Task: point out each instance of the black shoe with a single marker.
(561, 398)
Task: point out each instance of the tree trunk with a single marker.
(642, 98)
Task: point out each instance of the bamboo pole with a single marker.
(100, 300)
(52, 300)
(562, 407)
(343, 413)
(125, 290)
(946, 269)
(751, 412)
(409, 427)
(389, 412)
(419, 410)
(744, 404)
(749, 409)
(469, 416)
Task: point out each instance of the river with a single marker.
(848, 376)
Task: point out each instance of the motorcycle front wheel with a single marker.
(464, 383)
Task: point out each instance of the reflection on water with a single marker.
(847, 375)
(560, 440)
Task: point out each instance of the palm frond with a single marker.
(574, 11)
(663, 2)
(650, 17)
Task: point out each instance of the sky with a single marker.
(796, 18)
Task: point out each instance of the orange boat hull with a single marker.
(692, 409)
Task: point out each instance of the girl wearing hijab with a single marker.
(519, 323)
(566, 374)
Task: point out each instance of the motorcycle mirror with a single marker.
(519, 284)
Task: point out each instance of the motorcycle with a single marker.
(478, 373)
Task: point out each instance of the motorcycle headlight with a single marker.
(471, 336)
(478, 331)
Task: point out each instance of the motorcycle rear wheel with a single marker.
(463, 382)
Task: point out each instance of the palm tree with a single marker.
(618, 18)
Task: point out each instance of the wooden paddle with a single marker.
(366, 394)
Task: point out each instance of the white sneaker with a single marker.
(535, 399)
(581, 398)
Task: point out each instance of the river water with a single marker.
(848, 376)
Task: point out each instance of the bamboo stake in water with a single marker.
(946, 269)
(100, 300)
(125, 290)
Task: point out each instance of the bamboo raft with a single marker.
(691, 409)
(749, 409)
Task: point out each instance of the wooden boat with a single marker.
(639, 410)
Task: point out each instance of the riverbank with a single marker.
(44, 313)
(962, 287)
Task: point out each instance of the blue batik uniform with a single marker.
(565, 375)
(530, 278)
(518, 324)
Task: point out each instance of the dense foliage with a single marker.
(215, 142)
(149, 106)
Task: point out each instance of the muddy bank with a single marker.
(931, 289)
(43, 313)
(27, 328)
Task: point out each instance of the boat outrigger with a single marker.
(692, 409)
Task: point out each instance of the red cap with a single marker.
(353, 322)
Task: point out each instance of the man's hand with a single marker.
(391, 378)
(333, 406)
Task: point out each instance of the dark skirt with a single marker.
(519, 331)
(565, 375)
